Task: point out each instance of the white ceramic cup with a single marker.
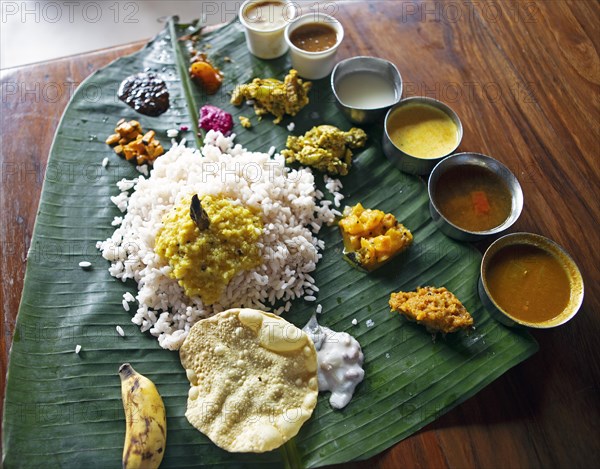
(314, 65)
(263, 41)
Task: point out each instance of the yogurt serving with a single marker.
(340, 360)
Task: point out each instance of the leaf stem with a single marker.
(186, 82)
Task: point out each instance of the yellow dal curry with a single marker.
(422, 131)
(205, 261)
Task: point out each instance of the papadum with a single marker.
(253, 379)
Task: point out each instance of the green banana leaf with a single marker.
(64, 409)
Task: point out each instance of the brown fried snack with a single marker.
(435, 308)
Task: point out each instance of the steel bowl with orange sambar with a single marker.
(529, 280)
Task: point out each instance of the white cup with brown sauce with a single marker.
(313, 40)
(264, 23)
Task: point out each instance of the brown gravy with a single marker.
(473, 198)
(528, 283)
(314, 37)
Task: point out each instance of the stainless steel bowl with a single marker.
(404, 161)
(576, 281)
(473, 159)
(365, 64)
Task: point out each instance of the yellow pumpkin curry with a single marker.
(372, 237)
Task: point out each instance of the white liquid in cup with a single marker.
(366, 90)
(264, 24)
(267, 15)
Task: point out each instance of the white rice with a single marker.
(127, 296)
(289, 204)
(120, 331)
(77, 349)
(120, 201)
(125, 185)
(334, 186)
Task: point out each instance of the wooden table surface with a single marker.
(524, 78)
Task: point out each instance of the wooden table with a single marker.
(525, 79)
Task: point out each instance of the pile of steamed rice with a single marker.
(292, 211)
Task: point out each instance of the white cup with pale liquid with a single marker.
(264, 23)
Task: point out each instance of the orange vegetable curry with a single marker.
(473, 198)
(528, 282)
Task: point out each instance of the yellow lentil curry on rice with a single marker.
(204, 261)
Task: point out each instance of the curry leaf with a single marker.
(198, 214)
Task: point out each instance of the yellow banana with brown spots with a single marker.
(146, 431)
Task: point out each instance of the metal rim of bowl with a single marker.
(515, 212)
(435, 103)
(375, 59)
(577, 288)
(316, 17)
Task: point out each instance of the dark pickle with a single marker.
(146, 93)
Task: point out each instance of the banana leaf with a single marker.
(64, 409)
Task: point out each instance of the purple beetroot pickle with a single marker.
(214, 118)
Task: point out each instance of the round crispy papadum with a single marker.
(253, 379)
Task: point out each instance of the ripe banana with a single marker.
(146, 431)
